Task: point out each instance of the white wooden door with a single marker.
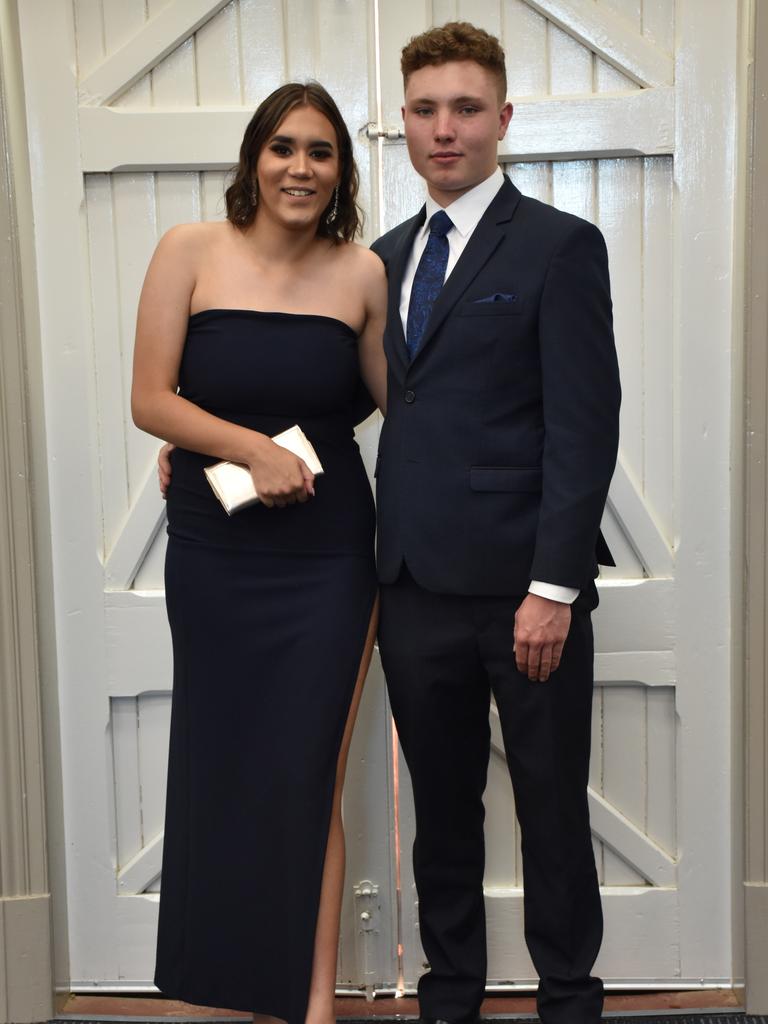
(136, 110)
(602, 91)
(626, 116)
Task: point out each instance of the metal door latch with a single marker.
(367, 912)
(391, 134)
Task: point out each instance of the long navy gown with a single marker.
(269, 611)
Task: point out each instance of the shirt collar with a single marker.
(466, 211)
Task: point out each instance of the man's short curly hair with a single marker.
(456, 40)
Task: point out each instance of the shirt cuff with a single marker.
(566, 595)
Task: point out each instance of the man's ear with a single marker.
(402, 111)
(505, 116)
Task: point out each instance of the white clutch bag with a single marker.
(233, 484)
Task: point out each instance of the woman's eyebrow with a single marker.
(289, 140)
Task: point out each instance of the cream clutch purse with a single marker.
(233, 484)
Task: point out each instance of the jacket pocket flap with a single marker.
(505, 478)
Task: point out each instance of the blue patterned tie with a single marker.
(428, 280)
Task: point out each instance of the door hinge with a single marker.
(367, 934)
(391, 134)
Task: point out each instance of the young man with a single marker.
(494, 464)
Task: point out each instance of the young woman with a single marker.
(244, 328)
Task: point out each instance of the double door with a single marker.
(137, 138)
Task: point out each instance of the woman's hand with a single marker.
(164, 470)
(280, 477)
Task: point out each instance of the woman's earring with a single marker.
(335, 209)
(254, 196)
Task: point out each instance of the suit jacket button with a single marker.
(410, 396)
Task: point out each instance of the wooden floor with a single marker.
(354, 1006)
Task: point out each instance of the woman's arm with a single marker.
(373, 362)
(279, 476)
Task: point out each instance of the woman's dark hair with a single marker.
(242, 194)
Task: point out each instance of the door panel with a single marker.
(579, 75)
(156, 70)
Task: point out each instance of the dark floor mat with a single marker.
(671, 1017)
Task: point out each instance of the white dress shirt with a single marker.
(465, 213)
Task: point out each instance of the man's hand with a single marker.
(164, 467)
(541, 627)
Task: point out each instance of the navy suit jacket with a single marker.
(501, 435)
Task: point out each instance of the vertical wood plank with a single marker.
(301, 25)
(369, 823)
(217, 51)
(569, 64)
(573, 187)
(396, 28)
(174, 80)
(405, 190)
(62, 315)
(110, 394)
(625, 751)
(125, 760)
(620, 199)
(136, 233)
(533, 179)
(755, 697)
(709, 89)
(501, 869)
(343, 79)
(483, 13)
(609, 79)
(122, 20)
(154, 723)
(658, 343)
(139, 95)
(756, 490)
(606, 77)
(89, 35)
(596, 769)
(517, 863)
(262, 43)
(212, 187)
(155, 6)
(659, 23)
(445, 10)
(524, 35)
(177, 199)
(661, 823)
(630, 10)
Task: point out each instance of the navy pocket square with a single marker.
(498, 297)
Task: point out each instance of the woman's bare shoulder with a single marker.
(196, 235)
(365, 262)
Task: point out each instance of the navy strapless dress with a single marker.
(269, 611)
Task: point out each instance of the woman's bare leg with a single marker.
(320, 1009)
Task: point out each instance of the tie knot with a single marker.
(440, 224)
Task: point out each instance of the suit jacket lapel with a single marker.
(493, 227)
(395, 270)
